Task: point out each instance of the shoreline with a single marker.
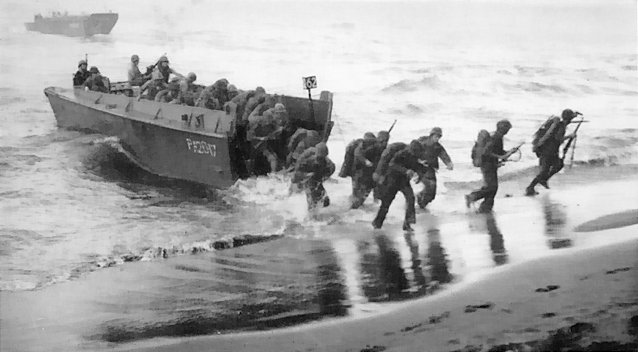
(147, 288)
(603, 279)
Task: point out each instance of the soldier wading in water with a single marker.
(547, 141)
(432, 152)
(392, 175)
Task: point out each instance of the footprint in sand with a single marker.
(547, 288)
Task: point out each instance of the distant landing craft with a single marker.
(74, 26)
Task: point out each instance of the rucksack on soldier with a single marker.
(480, 147)
(386, 157)
(541, 132)
(348, 158)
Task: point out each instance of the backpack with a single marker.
(480, 147)
(386, 157)
(348, 158)
(541, 132)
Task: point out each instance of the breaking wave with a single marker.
(407, 85)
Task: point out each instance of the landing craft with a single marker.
(176, 141)
(74, 25)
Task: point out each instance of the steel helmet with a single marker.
(436, 130)
(94, 70)
(279, 107)
(322, 149)
(162, 58)
(568, 114)
(192, 76)
(81, 62)
(135, 58)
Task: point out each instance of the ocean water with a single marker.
(70, 203)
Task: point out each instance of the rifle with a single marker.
(391, 127)
(514, 150)
(571, 140)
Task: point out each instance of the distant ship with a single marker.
(74, 26)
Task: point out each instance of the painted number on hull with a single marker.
(201, 147)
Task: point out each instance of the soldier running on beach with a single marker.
(393, 176)
(490, 159)
(433, 151)
(547, 141)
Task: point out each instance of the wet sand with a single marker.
(555, 278)
(574, 298)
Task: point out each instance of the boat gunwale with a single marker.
(135, 118)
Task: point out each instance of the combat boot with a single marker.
(378, 221)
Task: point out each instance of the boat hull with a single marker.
(75, 26)
(175, 141)
(159, 149)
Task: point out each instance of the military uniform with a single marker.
(96, 82)
(312, 168)
(135, 76)
(301, 140)
(433, 150)
(547, 150)
(489, 168)
(262, 132)
(365, 159)
(80, 77)
(394, 178)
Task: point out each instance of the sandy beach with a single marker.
(579, 292)
(578, 300)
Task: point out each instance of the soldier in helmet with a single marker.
(163, 71)
(301, 140)
(312, 168)
(432, 152)
(393, 174)
(187, 89)
(82, 74)
(547, 142)
(364, 161)
(96, 82)
(232, 92)
(159, 77)
(490, 160)
(135, 76)
(170, 94)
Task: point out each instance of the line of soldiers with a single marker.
(386, 169)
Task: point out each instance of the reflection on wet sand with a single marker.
(555, 220)
(235, 290)
(497, 243)
(486, 224)
(436, 258)
(384, 278)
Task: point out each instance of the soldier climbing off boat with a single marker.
(311, 170)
